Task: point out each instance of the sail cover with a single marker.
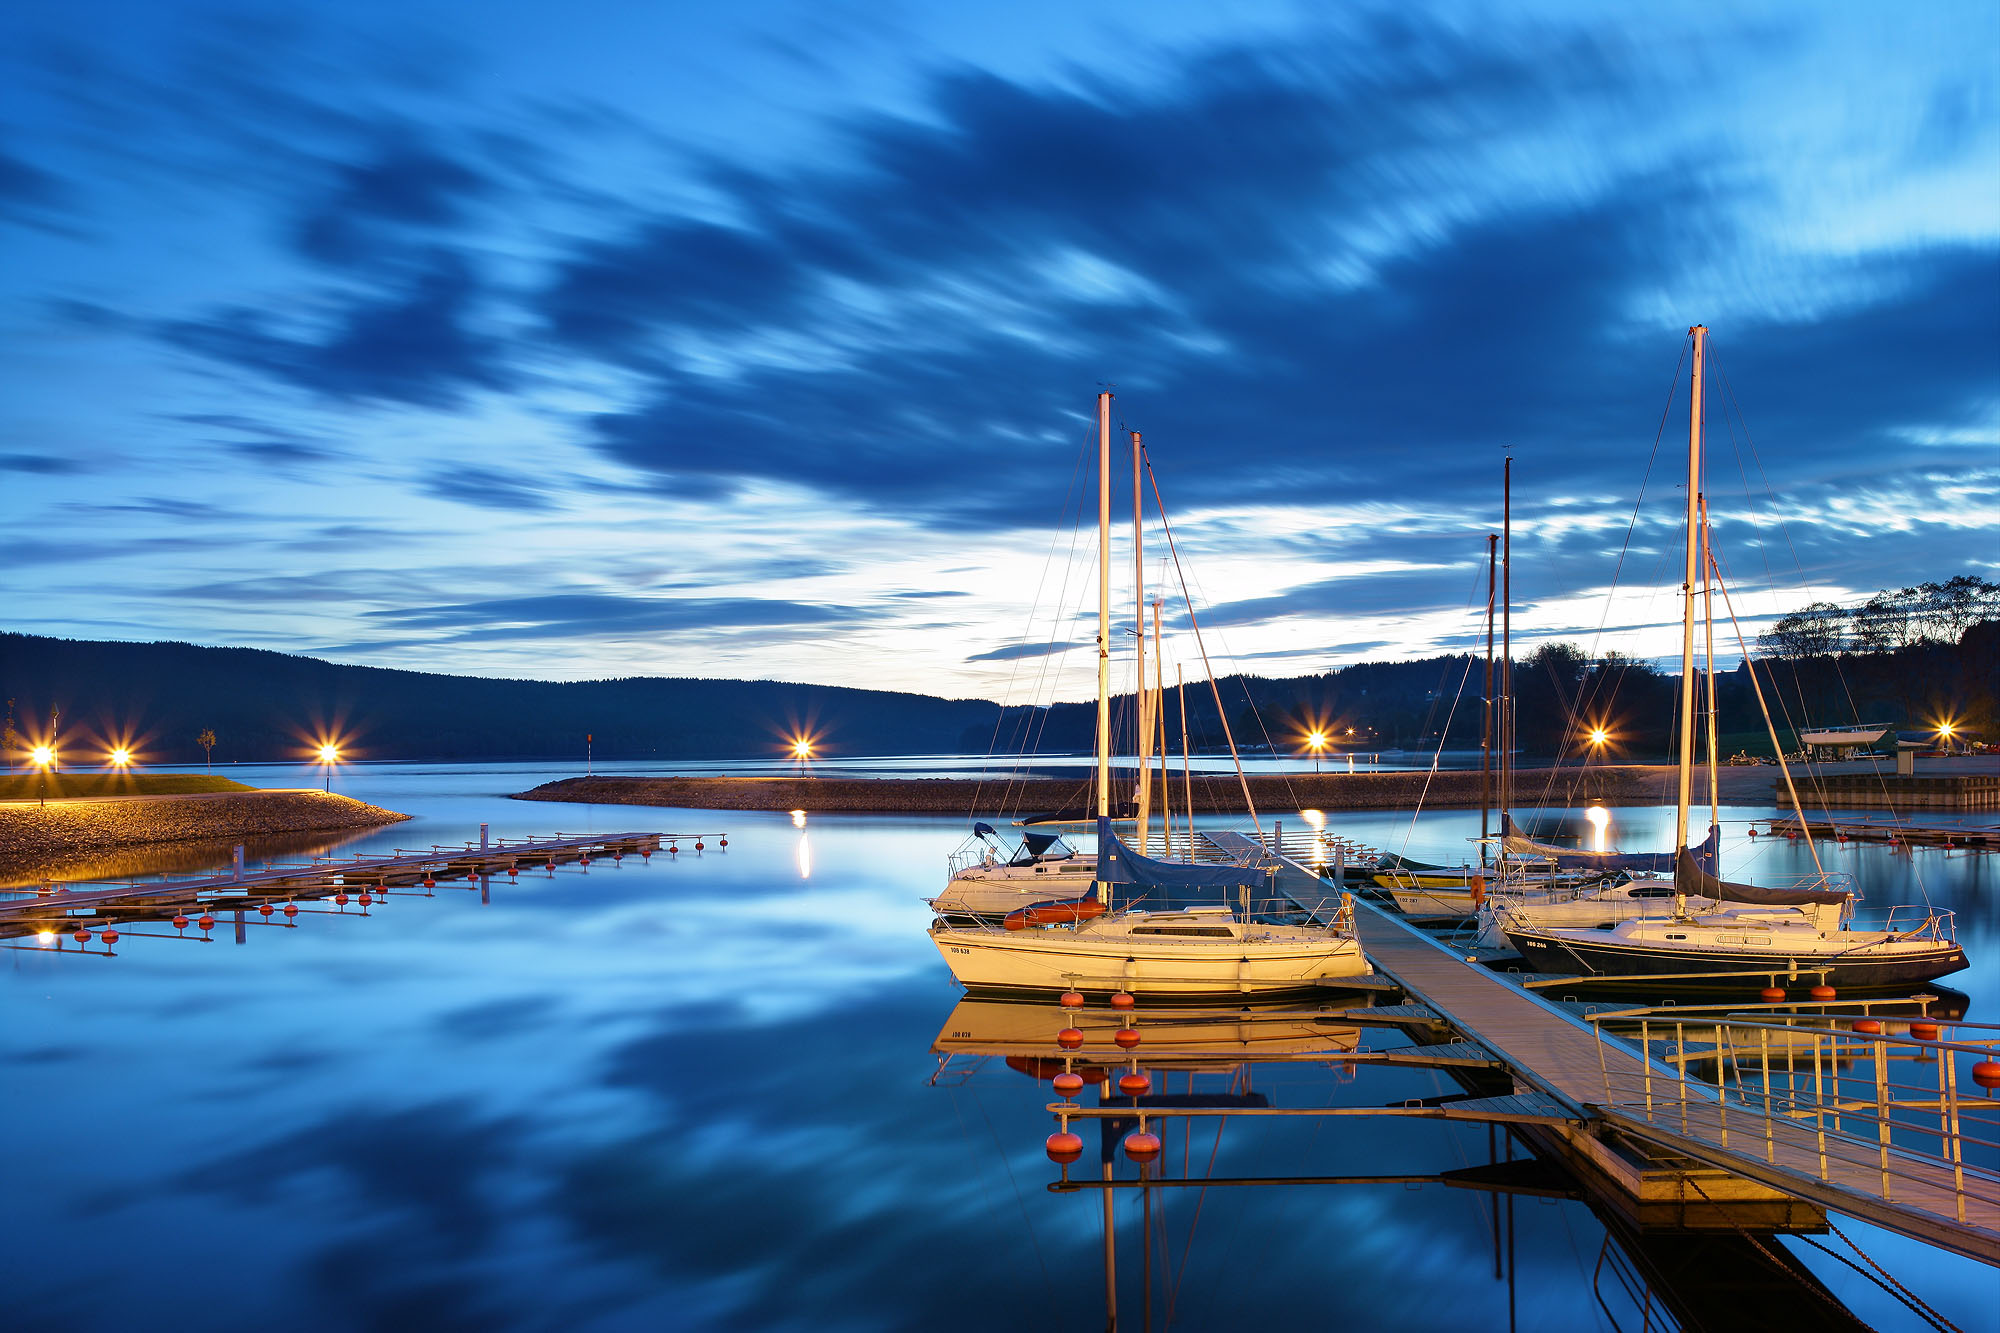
(1518, 843)
(1119, 864)
(1692, 880)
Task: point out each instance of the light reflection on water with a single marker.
(696, 1092)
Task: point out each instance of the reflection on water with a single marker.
(175, 858)
(704, 1091)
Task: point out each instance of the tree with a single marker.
(207, 742)
(1882, 624)
(1946, 610)
(1819, 630)
(10, 739)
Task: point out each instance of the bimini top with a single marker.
(1517, 843)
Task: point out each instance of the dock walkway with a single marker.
(1938, 1200)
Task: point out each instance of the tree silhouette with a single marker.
(207, 742)
(10, 739)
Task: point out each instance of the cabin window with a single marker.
(1676, 937)
(1211, 932)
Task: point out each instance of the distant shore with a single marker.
(50, 840)
(1213, 793)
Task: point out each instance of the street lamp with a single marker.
(43, 756)
(329, 754)
(1598, 736)
(802, 750)
(121, 757)
(1316, 740)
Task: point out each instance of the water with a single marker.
(698, 1093)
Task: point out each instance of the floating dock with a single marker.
(1980, 837)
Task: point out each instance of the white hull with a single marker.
(999, 889)
(1113, 953)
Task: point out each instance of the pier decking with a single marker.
(1782, 1142)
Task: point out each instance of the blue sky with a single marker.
(761, 340)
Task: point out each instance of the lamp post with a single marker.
(802, 750)
(1946, 731)
(43, 755)
(1317, 741)
(329, 754)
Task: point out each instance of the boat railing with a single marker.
(1865, 1100)
(1910, 921)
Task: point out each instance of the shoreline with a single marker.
(1212, 793)
(44, 841)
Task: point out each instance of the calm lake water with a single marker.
(702, 1093)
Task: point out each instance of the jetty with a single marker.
(78, 907)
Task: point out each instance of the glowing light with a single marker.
(45, 937)
(1598, 817)
(798, 819)
(329, 753)
(1945, 729)
(1598, 735)
(802, 748)
(1316, 818)
(43, 755)
(1317, 740)
(120, 757)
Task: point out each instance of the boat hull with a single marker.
(1051, 961)
(1548, 952)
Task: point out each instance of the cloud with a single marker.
(1014, 651)
(375, 205)
(416, 341)
(45, 465)
(490, 488)
(583, 615)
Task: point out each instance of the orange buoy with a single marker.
(1069, 1039)
(265, 909)
(1122, 1000)
(1793, 835)
(1772, 995)
(1068, 1084)
(1064, 1147)
(340, 898)
(1987, 1073)
(1072, 999)
(180, 922)
(698, 844)
(365, 900)
(1134, 1085)
(722, 842)
(111, 937)
(1126, 1038)
(82, 937)
(429, 883)
(1823, 992)
(1924, 1031)
(645, 853)
(583, 860)
(291, 909)
(1868, 1025)
(673, 849)
(206, 922)
(1143, 1146)
(1753, 831)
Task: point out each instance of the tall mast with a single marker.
(1708, 667)
(1104, 606)
(1159, 716)
(1486, 723)
(1686, 790)
(1140, 699)
(1505, 728)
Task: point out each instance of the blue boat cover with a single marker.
(1119, 864)
(983, 831)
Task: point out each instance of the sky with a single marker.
(763, 340)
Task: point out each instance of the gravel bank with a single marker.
(51, 835)
(1631, 785)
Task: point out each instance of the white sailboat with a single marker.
(1700, 924)
(1081, 944)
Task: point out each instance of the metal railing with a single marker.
(1861, 1102)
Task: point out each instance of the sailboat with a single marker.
(1709, 925)
(1230, 943)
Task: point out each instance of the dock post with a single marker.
(240, 936)
(236, 863)
(482, 837)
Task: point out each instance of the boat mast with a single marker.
(1140, 699)
(1504, 728)
(1486, 723)
(1686, 770)
(1708, 669)
(1159, 716)
(1103, 607)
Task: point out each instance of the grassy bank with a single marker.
(33, 786)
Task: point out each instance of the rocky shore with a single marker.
(1213, 793)
(44, 839)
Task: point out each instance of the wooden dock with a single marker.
(1617, 1092)
(1851, 828)
(62, 907)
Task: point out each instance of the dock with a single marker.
(1788, 1137)
(1850, 828)
(53, 908)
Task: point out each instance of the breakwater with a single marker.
(1212, 793)
(51, 840)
